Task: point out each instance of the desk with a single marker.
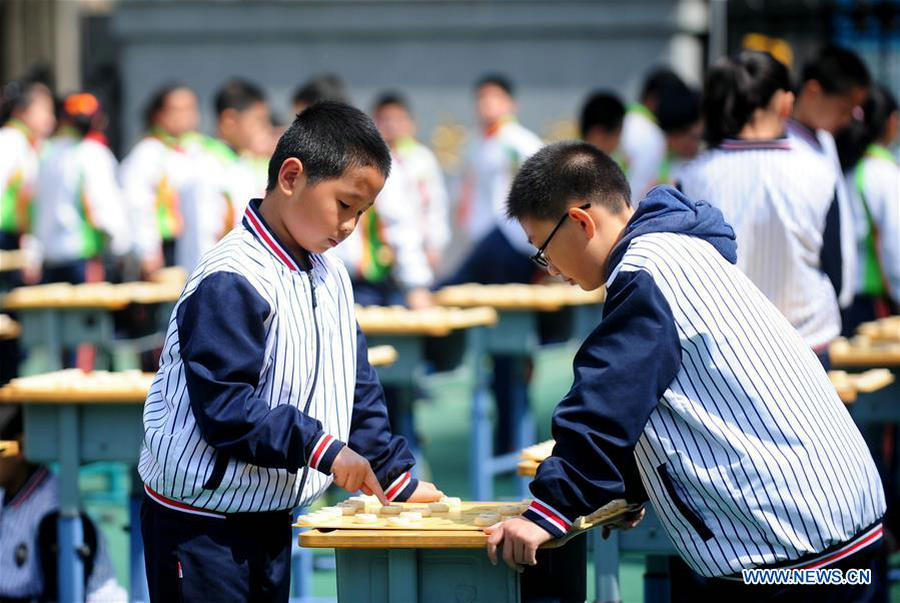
(60, 316)
(74, 428)
(420, 565)
(517, 335)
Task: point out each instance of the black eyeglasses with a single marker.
(539, 258)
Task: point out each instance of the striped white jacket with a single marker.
(263, 377)
(777, 199)
(696, 381)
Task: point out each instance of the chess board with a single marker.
(74, 385)
(517, 296)
(885, 329)
(90, 295)
(9, 329)
(437, 321)
(460, 516)
(862, 351)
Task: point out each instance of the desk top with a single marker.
(74, 386)
(543, 298)
(382, 355)
(9, 329)
(474, 538)
(863, 352)
(12, 260)
(883, 329)
(436, 322)
(90, 295)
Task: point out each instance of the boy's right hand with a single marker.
(352, 473)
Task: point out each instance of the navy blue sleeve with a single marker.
(222, 336)
(830, 256)
(621, 371)
(370, 430)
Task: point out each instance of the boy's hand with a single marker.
(425, 492)
(352, 473)
(520, 540)
(627, 522)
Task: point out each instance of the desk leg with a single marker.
(70, 571)
(606, 567)
(403, 575)
(138, 571)
(481, 439)
(657, 585)
(521, 418)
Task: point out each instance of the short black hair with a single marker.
(18, 95)
(329, 137)
(564, 171)
(678, 108)
(657, 80)
(837, 70)
(321, 87)
(237, 94)
(853, 140)
(496, 79)
(158, 100)
(603, 110)
(390, 97)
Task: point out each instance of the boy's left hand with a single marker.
(520, 539)
(425, 492)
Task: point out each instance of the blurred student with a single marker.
(751, 173)
(501, 252)
(395, 122)
(643, 141)
(491, 163)
(600, 123)
(29, 501)
(833, 84)
(321, 87)
(679, 119)
(28, 117)
(155, 173)
(78, 205)
(224, 178)
(873, 179)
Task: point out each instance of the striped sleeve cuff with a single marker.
(548, 518)
(401, 488)
(324, 452)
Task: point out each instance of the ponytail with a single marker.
(735, 88)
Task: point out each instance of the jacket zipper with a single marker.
(312, 390)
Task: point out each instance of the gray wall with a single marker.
(432, 50)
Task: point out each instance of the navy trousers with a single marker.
(245, 557)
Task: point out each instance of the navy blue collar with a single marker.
(739, 144)
(805, 133)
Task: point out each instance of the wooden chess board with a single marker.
(90, 295)
(74, 385)
(9, 329)
(884, 329)
(366, 513)
(12, 260)
(382, 355)
(518, 297)
(862, 351)
(437, 321)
